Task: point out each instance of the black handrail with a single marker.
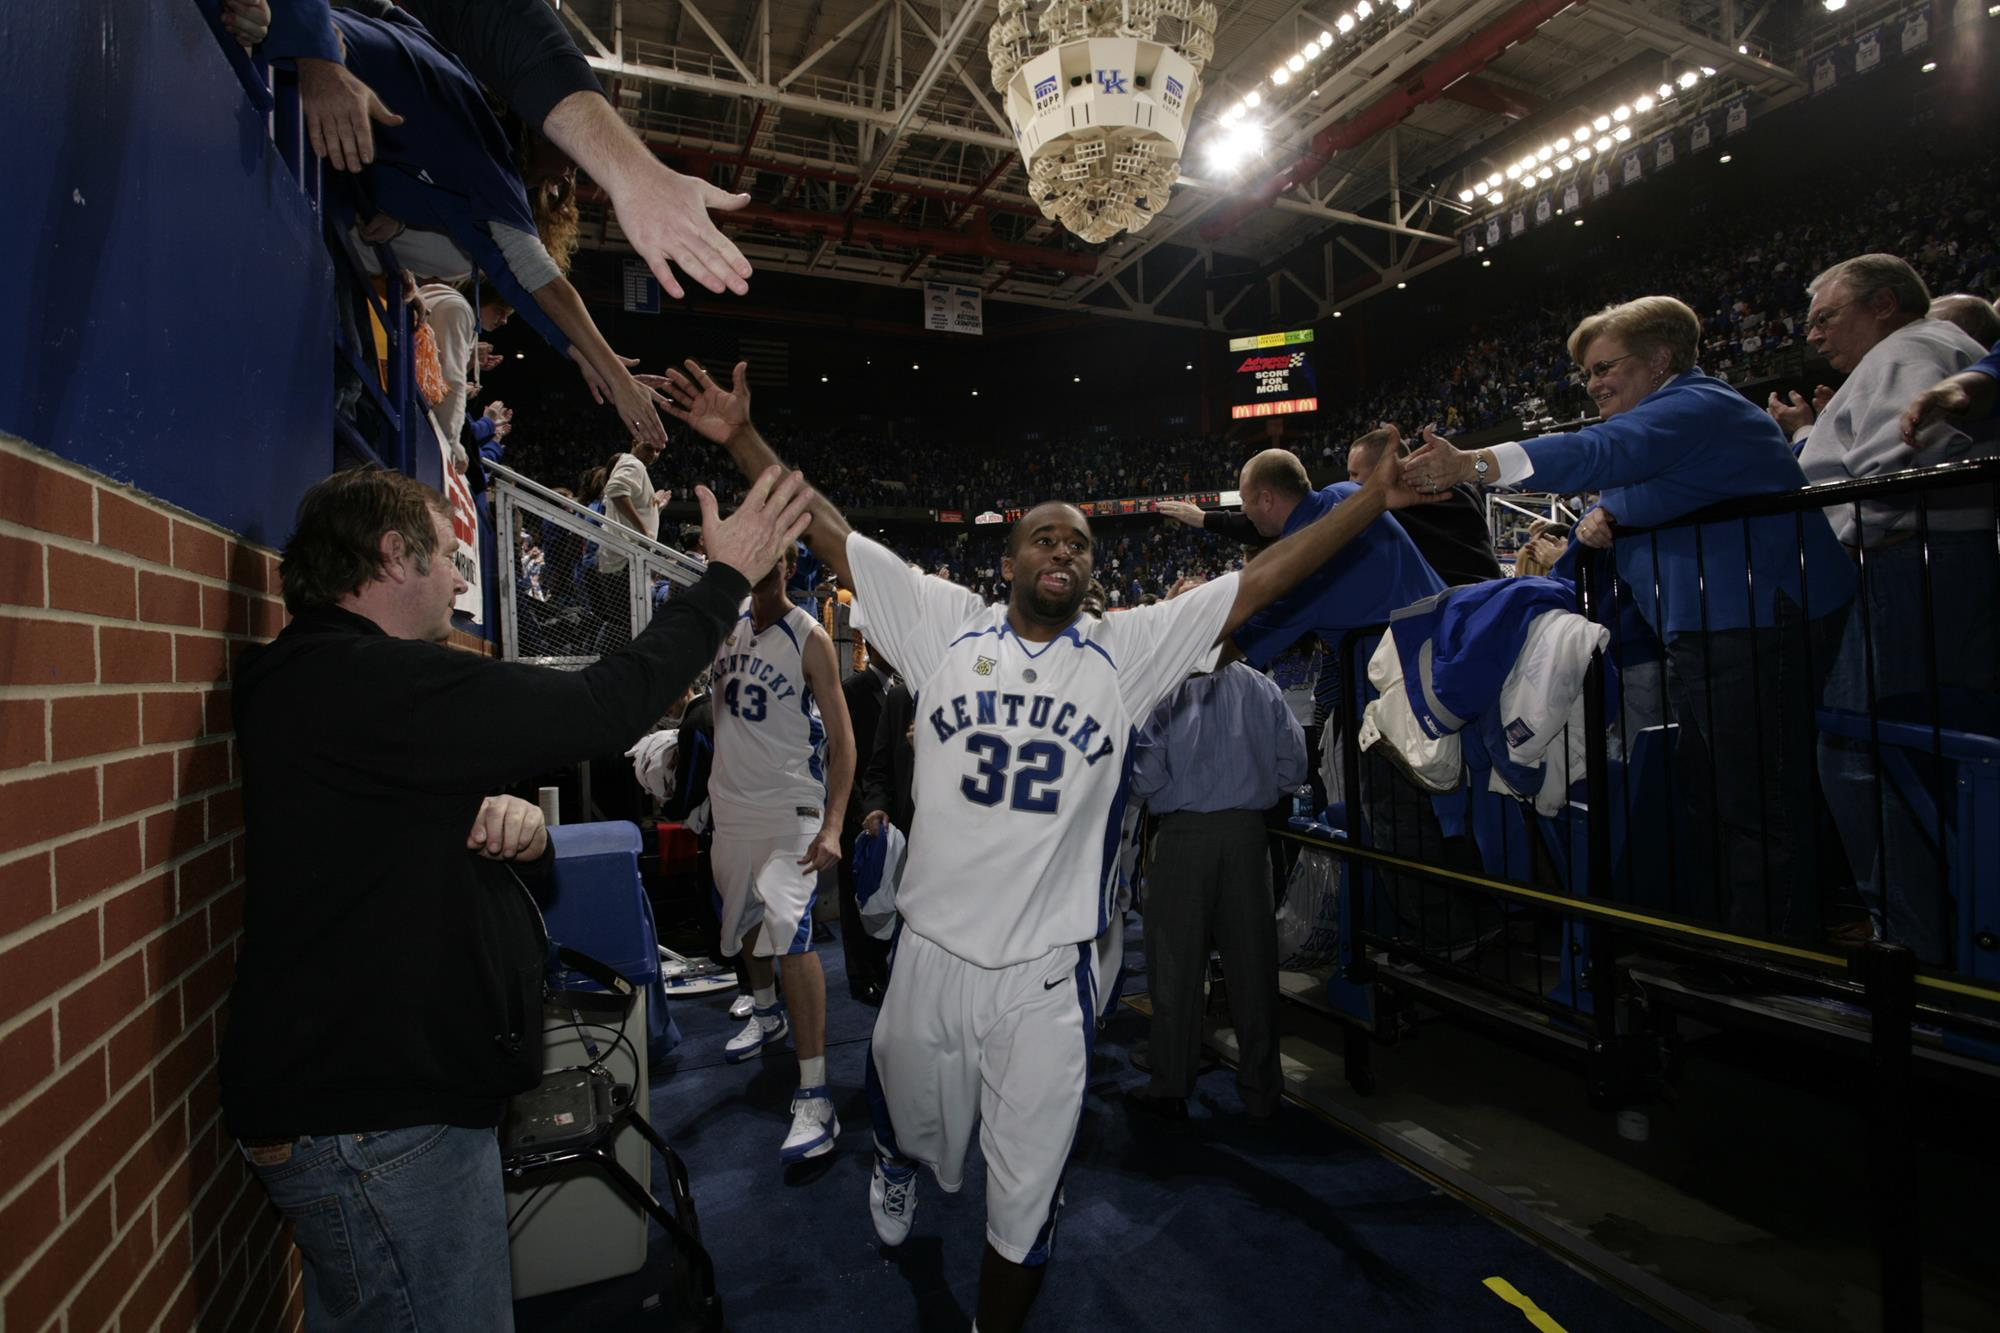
(1826, 494)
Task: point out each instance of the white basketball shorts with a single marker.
(764, 896)
(1005, 1051)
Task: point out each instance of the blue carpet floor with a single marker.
(1219, 1224)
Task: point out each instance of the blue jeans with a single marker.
(1889, 660)
(402, 1230)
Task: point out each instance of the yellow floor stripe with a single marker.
(1504, 1289)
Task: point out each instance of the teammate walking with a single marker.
(784, 765)
(1025, 719)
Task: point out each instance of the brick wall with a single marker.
(122, 1202)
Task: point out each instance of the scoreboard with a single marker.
(1272, 375)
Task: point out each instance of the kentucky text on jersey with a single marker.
(749, 666)
(991, 708)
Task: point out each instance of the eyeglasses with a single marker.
(1816, 323)
(1593, 371)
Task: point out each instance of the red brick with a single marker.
(135, 913)
(93, 724)
(186, 1061)
(139, 783)
(101, 1004)
(27, 1056)
(46, 652)
(219, 1199)
(225, 611)
(203, 876)
(225, 812)
(250, 568)
(36, 1126)
(225, 914)
(267, 617)
(201, 659)
(91, 1159)
(39, 967)
(24, 736)
(45, 1283)
(97, 862)
(21, 572)
(208, 985)
(178, 950)
(175, 832)
(219, 719)
(165, 1297)
(172, 717)
(158, 1151)
(199, 551)
(135, 656)
(36, 1212)
(96, 1303)
(128, 526)
(202, 767)
(26, 893)
(90, 584)
(135, 1046)
(166, 599)
(47, 807)
(38, 496)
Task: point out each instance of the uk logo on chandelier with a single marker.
(1112, 81)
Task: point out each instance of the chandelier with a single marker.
(1099, 93)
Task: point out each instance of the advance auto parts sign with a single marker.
(1273, 375)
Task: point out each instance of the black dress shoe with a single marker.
(868, 993)
(1159, 1108)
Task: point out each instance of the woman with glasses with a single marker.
(1747, 609)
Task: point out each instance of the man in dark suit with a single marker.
(867, 958)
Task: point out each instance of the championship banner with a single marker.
(1698, 135)
(1468, 241)
(1916, 28)
(1737, 118)
(1600, 184)
(1868, 51)
(1493, 231)
(465, 526)
(1544, 210)
(1663, 152)
(641, 289)
(951, 308)
(1572, 197)
(1517, 222)
(1632, 169)
(1824, 76)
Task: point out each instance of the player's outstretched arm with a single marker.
(723, 415)
(1290, 561)
(823, 676)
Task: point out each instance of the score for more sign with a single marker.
(1275, 376)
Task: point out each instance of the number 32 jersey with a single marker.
(1023, 751)
(770, 746)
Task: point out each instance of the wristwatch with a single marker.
(1480, 467)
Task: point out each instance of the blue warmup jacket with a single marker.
(1694, 442)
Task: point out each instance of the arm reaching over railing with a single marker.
(1966, 396)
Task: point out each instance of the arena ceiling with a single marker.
(875, 149)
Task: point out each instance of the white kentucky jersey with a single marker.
(1023, 752)
(770, 746)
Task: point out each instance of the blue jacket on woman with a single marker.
(1691, 443)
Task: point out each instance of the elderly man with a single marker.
(387, 999)
(1974, 314)
(1215, 755)
(1928, 559)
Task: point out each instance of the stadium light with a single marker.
(1562, 144)
(1643, 105)
(1253, 99)
(1577, 223)
(1544, 153)
(1583, 152)
(1325, 37)
(1834, 6)
(1336, 314)
(1401, 285)
(1621, 113)
(1486, 263)
(1622, 133)
(1493, 181)
(1496, 198)
(1465, 196)
(1707, 72)
(1403, 6)
(1689, 79)
(1666, 91)
(1364, 11)
(1345, 23)
(1601, 124)
(1603, 145)
(1545, 173)
(1513, 171)
(1579, 134)
(1564, 163)
(1929, 66)
(915, 366)
(1295, 64)
(1742, 50)
(1724, 158)
(822, 379)
(1281, 76)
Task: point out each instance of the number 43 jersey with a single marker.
(770, 746)
(1023, 751)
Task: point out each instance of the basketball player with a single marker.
(784, 765)
(1025, 719)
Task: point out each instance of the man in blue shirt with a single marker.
(1216, 754)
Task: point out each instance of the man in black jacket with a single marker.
(866, 958)
(387, 996)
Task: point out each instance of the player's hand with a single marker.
(341, 113)
(1792, 415)
(1180, 511)
(772, 515)
(1594, 528)
(1434, 468)
(1967, 394)
(665, 218)
(508, 829)
(825, 850)
(717, 413)
(872, 822)
(248, 21)
(1391, 478)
